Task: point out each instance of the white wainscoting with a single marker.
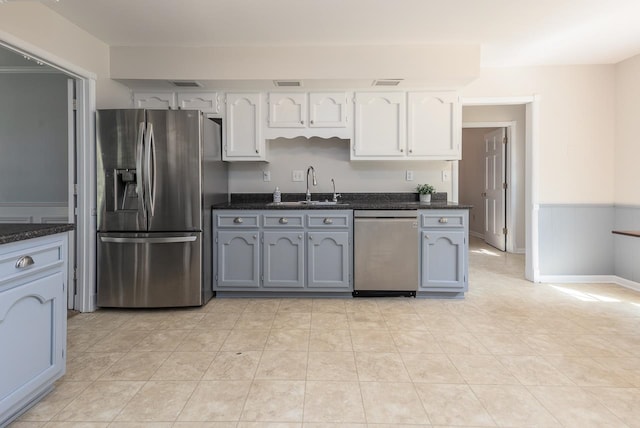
(34, 212)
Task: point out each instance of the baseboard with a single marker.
(520, 251)
(476, 234)
(590, 279)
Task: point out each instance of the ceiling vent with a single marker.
(287, 83)
(186, 83)
(387, 82)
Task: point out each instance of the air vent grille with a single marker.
(186, 84)
(288, 83)
(387, 82)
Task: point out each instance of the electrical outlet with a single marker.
(297, 175)
(446, 175)
(266, 175)
(409, 175)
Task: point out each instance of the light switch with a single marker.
(266, 175)
(409, 175)
(297, 175)
(446, 175)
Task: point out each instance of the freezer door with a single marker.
(119, 150)
(173, 170)
(149, 270)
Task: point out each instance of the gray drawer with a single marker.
(284, 220)
(442, 220)
(328, 221)
(237, 220)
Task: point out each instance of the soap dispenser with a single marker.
(277, 197)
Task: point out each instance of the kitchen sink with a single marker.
(303, 203)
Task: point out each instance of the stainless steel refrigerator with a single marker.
(158, 173)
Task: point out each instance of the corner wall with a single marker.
(39, 26)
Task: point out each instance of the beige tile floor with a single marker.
(511, 354)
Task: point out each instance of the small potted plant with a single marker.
(425, 191)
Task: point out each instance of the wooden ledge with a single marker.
(635, 233)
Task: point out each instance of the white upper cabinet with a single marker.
(380, 125)
(308, 114)
(242, 131)
(288, 110)
(154, 100)
(433, 126)
(206, 102)
(328, 110)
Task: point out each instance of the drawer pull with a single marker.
(443, 220)
(284, 220)
(24, 262)
(255, 236)
(299, 236)
(238, 220)
(328, 221)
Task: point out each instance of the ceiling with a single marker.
(510, 32)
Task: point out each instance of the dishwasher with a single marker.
(385, 252)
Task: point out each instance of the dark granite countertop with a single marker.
(348, 201)
(13, 232)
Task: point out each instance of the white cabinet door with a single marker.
(288, 110)
(380, 125)
(154, 100)
(243, 139)
(206, 102)
(327, 110)
(434, 125)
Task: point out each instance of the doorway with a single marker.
(56, 136)
(483, 182)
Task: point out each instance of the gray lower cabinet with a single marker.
(238, 258)
(33, 321)
(443, 251)
(274, 250)
(328, 260)
(283, 259)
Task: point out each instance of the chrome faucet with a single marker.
(335, 195)
(315, 182)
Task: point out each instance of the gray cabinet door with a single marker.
(238, 259)
(443, 260)
(283, 259)
(328, 260)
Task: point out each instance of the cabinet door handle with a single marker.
(257, 151)
(310, 238)
(255, 236)
(328, 221)
(311, 121)
(24, 262)
(302, 122)
(238, 220)
(443, 220)
(284, 220)
(299, 236)
(401, 150)
(427, 237)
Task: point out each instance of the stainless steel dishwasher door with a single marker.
(385, 251)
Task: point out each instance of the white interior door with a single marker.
(494, 193)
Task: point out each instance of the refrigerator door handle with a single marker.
(151, 169)
(161, 240)
(139, 174)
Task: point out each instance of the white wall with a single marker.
(330, 158)
(576, 126)
(33, 23)
(627, 171)
(33, 138)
